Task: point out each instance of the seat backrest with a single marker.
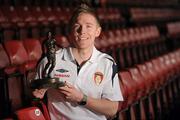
(160, 69)
(37, 12)
(25, 14)
(154, 71)
(41, 104)
(11, 14)
(62, 41)
(48, 12)
(4, 61)
(33, 48)
(139, 80)
(129, 86)
(146, 75)
(16, 52)
(2, 17)
(31, 113)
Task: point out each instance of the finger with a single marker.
(36, 90)
(69, 85)
(65, 88)
(35, 93)
(65, 93)
(67, 97)
(42, 91)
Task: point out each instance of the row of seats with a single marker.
(153, 14)
(110, 14)
(17, 59)
(131, 46)
(173, 29)
(141, 2)
(23, 15)
(17, 65)
(31, 16)
(149, 89)
(173, 33)
(25, 20)
(22, 22)
(141, 43)
(97, 2)
(21, 18)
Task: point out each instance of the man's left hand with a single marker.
(71, 93)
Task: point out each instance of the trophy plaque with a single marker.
(47, 83)
(50, 53)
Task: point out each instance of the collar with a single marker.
(94, 55)
(69, 56)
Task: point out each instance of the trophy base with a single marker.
(47, 83)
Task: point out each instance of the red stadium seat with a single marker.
(148, 79)
(41, 104)
(3, 18)
(30, 21)
(31, 113)
(139, 80)
(15, 20)
(43, 23)
(62, 41)
(51, 17)
(142, 96)
(16, 52)
(13, 16)
(5, 24)
(130, 90)
(4, 61)
(34, 51)
(59, 13)
(25, 13)
(171, 70)
(101, 42)
(33, 48)
(40, 17)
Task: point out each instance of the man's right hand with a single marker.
(39, 93)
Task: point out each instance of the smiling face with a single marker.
(85, 30)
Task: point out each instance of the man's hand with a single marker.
(71, 93)
(39, 93)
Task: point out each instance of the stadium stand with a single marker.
(143, 36)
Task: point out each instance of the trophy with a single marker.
(50, 53)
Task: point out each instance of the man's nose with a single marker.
(82, 30)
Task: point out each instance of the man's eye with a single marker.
(89, 26)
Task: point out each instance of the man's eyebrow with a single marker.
(88, 23)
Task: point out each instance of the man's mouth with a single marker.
(82, 38)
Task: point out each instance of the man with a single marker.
(92, 89)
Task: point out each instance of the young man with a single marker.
(92, 89)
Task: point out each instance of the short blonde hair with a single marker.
(82, 8)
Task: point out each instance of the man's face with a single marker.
(85, 30)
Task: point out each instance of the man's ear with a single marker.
(98, 31)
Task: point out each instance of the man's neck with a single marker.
(82, 55)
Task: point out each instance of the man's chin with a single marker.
(83, 46)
